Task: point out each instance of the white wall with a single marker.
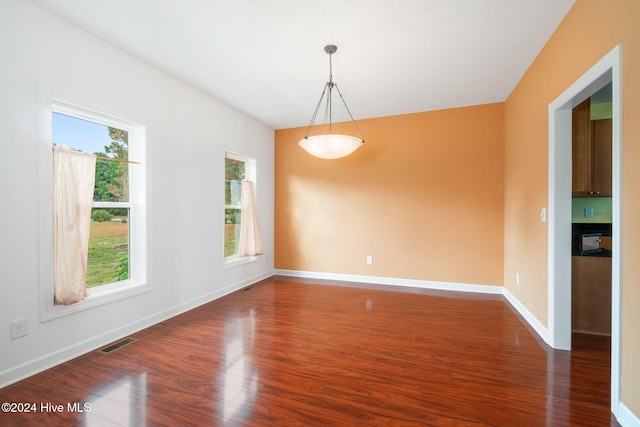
(187, 134)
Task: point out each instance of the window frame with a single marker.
(137, 222)
(249, 174)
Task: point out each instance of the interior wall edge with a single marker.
(394, 281)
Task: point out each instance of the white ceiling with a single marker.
(266, 57)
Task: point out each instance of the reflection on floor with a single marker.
(299, 352)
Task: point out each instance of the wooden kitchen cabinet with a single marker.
(591, 294)
(602, 156)
(591, 153)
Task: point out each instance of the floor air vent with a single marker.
(116, 345)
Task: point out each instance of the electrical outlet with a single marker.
(369, 259)
(19, 328)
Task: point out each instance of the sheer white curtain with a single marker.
(250, 242)
(73, 181)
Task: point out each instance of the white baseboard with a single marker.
(392, 281)
(48, 361)
(624, 416)
(537, 326)
(627, 418)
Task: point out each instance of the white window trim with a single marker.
(137, 282)
(249, 174)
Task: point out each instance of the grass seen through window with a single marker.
(108, 251)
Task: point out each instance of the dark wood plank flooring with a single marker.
(288, 352)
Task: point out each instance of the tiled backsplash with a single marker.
(598, 207)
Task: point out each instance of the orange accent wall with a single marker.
(589, 31)
(431, 195)
(423, 196)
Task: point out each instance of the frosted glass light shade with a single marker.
(330, 146)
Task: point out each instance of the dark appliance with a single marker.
(591, 239)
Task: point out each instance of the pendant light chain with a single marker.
(329, 111)
(328, 115)
(349, 112)
(330, 68)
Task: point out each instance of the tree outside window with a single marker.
(108, 255)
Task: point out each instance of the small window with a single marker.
(237, 169)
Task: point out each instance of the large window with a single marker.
(116, 214)
(237, 169)
(108, 253)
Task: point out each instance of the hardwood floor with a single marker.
(288, 352)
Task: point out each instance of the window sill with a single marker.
(233, 262)
(97, 296)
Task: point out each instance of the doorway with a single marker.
(607, 70)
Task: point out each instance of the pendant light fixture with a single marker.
(330, 145)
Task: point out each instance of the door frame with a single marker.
(608, 69)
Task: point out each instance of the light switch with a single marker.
(543, 214)
(588, 212)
